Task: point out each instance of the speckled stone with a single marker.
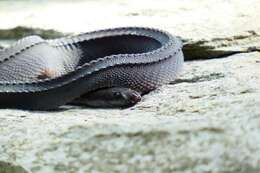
(206, 121)
(209, 28)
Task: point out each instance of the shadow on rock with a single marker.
(6, 167)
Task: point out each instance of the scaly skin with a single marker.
(44, 74)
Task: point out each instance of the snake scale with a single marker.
(104, 68)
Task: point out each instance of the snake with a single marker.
(104, 68)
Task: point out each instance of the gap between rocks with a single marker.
(221, 47)
(195, 79)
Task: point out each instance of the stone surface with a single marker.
(6, 167)
(209, 28)
(206, 121)
(19, 32)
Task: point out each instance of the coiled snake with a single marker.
(106, 68)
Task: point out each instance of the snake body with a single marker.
(45, 74)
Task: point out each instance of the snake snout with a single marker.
(132, 96)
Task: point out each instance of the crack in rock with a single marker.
(221, 47)
(215, 130)
(148, 136)
(195, 79)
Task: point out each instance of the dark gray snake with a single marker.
(106, 68)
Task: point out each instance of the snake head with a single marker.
(114, 97)
(124, 97)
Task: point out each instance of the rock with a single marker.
(10, 168)
(10, 36)
(6, 43)
(209, 28)
(19, 32)
(206, 121)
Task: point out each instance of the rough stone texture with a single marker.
(207, 121)
(209, 28)
(20, 31)
(6, 167)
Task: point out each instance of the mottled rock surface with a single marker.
(19, 32)
(206, 121)
(209, 28)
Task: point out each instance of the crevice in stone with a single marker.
(6, 167)
(221, 47)
(215, 130)
(195, 79)
(199, 51)
(146, 135)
